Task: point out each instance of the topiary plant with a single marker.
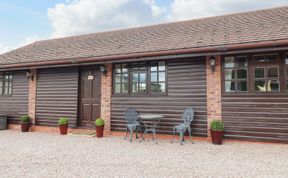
(63, 121)
(25, 119)
(217, 125)
(99, 122)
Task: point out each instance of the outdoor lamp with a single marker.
(29, 75)
(103, 69)
(212, 63)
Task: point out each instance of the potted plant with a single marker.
(25, 123)
(217, 130)
(63, 125)
(99, 123)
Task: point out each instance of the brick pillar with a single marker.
(213, 91)
(106, 90)
(32, 96)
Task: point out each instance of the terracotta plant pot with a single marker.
(99, 131)
(25, 127)
(217, 137)
(63, 129)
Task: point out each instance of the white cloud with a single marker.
(28, 40)
(189, 9)
(87, 16)
(84, 16)
(4, 48)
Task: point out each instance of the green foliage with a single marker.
(63, 121)
(25, 119)
(217, 125)
(99, 122)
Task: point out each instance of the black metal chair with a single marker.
(131, 116)
(187, 117)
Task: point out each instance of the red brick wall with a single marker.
(213, 91)
(32, 96)
(106, 90)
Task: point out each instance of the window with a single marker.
(140, 78)
(266, 79)
(235, 74)
(6, 81)
(158, 77)
(121, 78)
(266, 73)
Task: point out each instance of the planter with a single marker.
(25, 127)
(217, 137)
(99, 131)
(63, 129)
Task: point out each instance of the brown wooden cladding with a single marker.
(256, 117)
(57, 96)
(186, 87)
(17, 104)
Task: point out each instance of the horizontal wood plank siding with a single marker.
(57, 96)
(256, 117)
(17, 104)
(186, 87)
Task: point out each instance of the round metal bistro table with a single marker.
(150, 122)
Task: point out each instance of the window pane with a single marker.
(135, 77)
(242, 74)
(124, 78)
(241, 61)
(259, 73)
(273, 85)
(154, 77)
(118, 68)
(162, 66)
(134, 87)
(124, 68)
(142, 77)
(242, 86)
(161, 76)
(229, 86)
(142, 66)
(229, 74)
(259, 58)
(260, 86)
(153, 67)
(229, 62)
(142, 88)
(162, 87)
(125, 88)
(117, 78)
(154, 87)
(271, 57)
(272, 72)
(117, 88)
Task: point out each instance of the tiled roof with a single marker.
(250, 27)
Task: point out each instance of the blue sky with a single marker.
(25, 21)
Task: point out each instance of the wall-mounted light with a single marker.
(103, 69)
(30, 75)
(212, 61)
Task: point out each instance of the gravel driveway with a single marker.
(51, 155)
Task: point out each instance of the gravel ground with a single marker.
(51, 155)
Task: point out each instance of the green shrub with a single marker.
(99, 122)
(25, 119)
(63, 121)
(217, 125)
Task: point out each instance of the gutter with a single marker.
(105, 59)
